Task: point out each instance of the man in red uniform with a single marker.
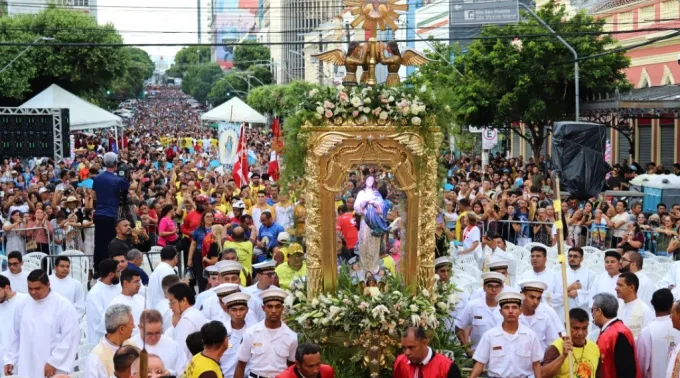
(308, 364)
(616, 342)
(419, 360)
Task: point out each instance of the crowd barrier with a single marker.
(26, 240)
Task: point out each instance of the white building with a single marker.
(15, 7)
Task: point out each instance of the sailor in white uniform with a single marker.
(537, 321)
(213, 280)
(481, 314)
(510, 349)
(230, 273)
(237, 308)
(265, 274)
(500, 266)
(269, 346)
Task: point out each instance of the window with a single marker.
(624, 21)
(608, 24)
(669, 10)
(645, 17)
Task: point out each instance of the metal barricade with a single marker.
(26, 240)
(656, 242)
(521, 233)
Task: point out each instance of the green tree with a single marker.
(187, 57)
(248, 54)
(81, 70)
(533, 83)
(139, 67)
(282, 100)
(227, 87)
(199, 80)
(262, 73)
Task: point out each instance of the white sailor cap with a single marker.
(509, 297)
(493, 277)
(212, 270)
(264, 266)
(353, 260)
(273, 294)
(533, 286)
(236, 299)
(442, 261)
(283, 237)
(226, 289)
(230, 267)
(499, 265)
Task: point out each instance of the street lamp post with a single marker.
(24, 52)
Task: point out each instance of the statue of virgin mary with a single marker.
(372, 208)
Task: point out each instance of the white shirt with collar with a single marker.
(155, 288)
(553, 296)
(587, 280)
(230, 357)
(509, 356)
(636, 315)
(255, 302)
(543, 326)
(268, 350)
(603, 284)
(191, 321)
(427, 360)
(94, 368)
(481, 317)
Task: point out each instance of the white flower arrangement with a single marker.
(349, 310)
(398, 106)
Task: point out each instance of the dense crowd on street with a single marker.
(194, 265)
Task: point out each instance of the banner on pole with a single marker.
(228, 142)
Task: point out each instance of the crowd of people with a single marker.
(212, 305)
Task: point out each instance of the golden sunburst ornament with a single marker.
(375, 14)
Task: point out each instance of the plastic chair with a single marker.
(84, 350)
(33, 261)
(530, 245)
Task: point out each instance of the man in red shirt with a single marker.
(419, 360)
(347, 225)
(308, 364)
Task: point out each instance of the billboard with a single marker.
(432, 20)
(234, 20)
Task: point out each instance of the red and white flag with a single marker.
(273, 169)
(240, 171)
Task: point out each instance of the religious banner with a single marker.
(228, 141)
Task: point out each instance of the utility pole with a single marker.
(198, 18)
(320, 62)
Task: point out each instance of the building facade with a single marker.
(35, 6)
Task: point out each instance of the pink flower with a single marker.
(343, 96)
(328, 105)
(328, 114)
(403, 104)
(355, 113)
(363, 305)
(377, 111)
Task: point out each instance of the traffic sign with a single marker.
(489, 139)
(479, 12)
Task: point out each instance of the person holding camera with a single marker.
(107, 187)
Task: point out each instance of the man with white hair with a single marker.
(151, 330)
(119, 324)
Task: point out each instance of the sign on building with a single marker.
(479, 12)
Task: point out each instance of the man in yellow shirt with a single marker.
(206, 364)
(255, 185)
(294, 268)
(587, 365)
(243, 247)
(387, 261)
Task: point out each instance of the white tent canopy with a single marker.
(234, 110)
(82, 114)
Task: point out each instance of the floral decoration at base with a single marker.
(368, 321)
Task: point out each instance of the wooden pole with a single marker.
(561, 256)
(144, 355)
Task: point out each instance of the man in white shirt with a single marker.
(169, 259)
(46, 333)
(510, 349)
(553, 295)
(671, 279)
(269, 346)
(481, 314)
(182, 300)
(10, 303)
(634, 313)
(151, 329)
(213, 280)
(119, 324)
(164, 305)
(606, 282)
(99, 297)
(499, 266)
(67, 286)
(130, 281)
(537, 321)
(580, 280)
(632, 262)
(237, 308)
(16, 275)
(658, 338)
(265, 272)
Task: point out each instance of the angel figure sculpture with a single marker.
(393, 60)
(355, 57)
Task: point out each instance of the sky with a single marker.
(149, 21)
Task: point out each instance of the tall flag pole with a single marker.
(240, 172)
(561, 256)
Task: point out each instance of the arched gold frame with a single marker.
(332, 151)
